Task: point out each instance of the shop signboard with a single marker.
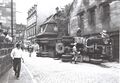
(80, 40)
(68, 39)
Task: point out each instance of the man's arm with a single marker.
(22, 56)
(12, 54)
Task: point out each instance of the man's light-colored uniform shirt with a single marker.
(16, 53)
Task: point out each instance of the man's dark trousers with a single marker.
(17, 66)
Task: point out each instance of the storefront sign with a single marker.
(68, 39)
(80, 40)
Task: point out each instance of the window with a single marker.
(81, 21)
(105, 16)
(92, 17)
(105, 12)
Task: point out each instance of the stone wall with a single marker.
(5, 59)
(97, 15)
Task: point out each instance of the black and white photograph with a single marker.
(59, 41)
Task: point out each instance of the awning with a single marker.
(45, 40)
(46, 34)
(31, 37)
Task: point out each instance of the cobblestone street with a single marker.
(59, 41)
(48, 70)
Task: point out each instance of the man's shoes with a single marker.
(17, 78)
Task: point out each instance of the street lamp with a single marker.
(12, 19)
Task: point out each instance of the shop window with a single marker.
(81, 21)
(106, 12)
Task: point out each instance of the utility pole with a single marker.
(12, 19)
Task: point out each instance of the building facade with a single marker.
(5, 15)
(93, 16)
(20, 32)
(51, 32)
(32, 23)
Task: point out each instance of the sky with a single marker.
(46, 8)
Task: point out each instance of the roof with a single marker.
(46, 33)
(49, 20)
(48, 29)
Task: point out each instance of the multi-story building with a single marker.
(32, 23)
(93, 16)
(5, 14)
(20, 32)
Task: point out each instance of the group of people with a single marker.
(4, 37)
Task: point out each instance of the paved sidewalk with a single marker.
(24, 76)
(4, 78)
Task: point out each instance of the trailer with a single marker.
(96, 50)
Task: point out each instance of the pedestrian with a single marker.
(30, 50)
(78, 52)
(35, 47)
(16, 55)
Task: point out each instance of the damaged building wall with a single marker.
(74, 19)
(92, 16)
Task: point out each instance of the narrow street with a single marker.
(79, 30)
(48, 70)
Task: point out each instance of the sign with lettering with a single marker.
(80, 40)
(68, 39)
